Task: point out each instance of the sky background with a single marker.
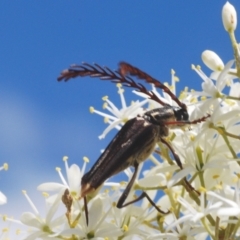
(41, 120)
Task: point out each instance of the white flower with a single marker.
(183, 230)
(43, 227)
(231, 207)
(212, 92)
(229, 17)
(99, 226)
(212, 60)
(118, 117)
(130, 220)
(204, 209)
(73, 183)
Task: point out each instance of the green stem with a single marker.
(139, 187)
(217, 228)
(235, 51)
(232, 98)
(206, 226)
(235, 229)
(222, 132)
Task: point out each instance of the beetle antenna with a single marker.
(104, 73)
(126, 68)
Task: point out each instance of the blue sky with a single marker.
(41, 120)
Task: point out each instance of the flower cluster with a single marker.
(199, 200)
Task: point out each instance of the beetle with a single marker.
(138, 137)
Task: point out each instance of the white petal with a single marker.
(197, 216)
(36, 235)
(221, 81)
(94, 213)
(53, 208)
(228, 201)
(50, 186)
(228, 212)
(109, 230)
(3, 198)
(178, 176)
(234, 91)
(74, 177)
(179, 221)
(30, 219)
(152, 181)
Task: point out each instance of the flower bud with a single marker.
(229, 17)
(212, 60)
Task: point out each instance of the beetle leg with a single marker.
(189, 187)
(124, 195)
(176, 157)
(86, 209)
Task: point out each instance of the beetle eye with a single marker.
(185, 115)
(181, 115)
